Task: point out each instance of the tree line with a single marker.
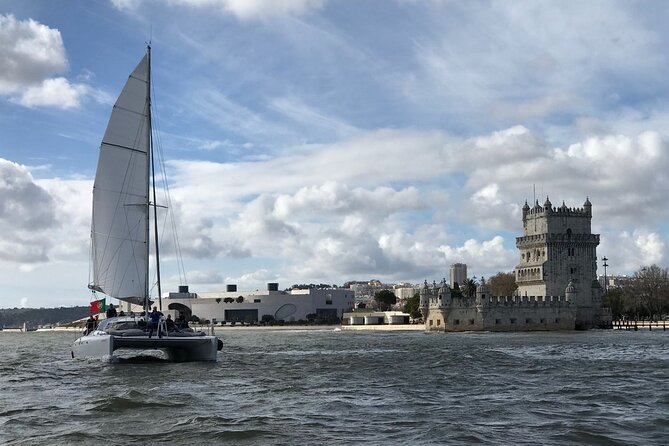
(644, 297)
(35, 317)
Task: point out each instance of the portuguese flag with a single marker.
(98, 306)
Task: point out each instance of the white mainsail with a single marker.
(119, 229)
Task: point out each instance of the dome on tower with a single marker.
(482, 287)
(571, 288)
(587, 202)
(526, 207)
(547, 203)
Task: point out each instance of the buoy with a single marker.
(219, 345)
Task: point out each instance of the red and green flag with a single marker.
(98, 306)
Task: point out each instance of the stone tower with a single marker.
(558, 250)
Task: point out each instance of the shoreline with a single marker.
(229, 328)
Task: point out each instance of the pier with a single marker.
(640, 325)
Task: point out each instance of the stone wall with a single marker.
(505, 313)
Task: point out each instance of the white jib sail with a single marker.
(120, 195)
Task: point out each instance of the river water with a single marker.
(339, 387)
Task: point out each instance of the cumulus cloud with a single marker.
(628, 250)
(311, 222)
(31, 53)
(296, 207)
(56, 92)
(26, 211)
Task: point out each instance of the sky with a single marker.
(323, 141)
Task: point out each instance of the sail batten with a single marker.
(120, 195)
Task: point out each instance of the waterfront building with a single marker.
(557, 281)
(250, 306)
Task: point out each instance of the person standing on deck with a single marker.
(154, 321)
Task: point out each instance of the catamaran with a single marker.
(120, 234)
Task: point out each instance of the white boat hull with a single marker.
(177, 349)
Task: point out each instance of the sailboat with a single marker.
(120, 234)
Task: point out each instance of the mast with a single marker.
(148, 195)
(153, 184)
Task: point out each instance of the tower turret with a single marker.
(424, 300)
(482, 291)
(587, 207)
(570, 292)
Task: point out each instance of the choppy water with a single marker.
(327, 387)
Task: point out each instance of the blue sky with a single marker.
(325, 141)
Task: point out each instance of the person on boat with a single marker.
(141, 323)
(181, 321)
(121, 313)
(111, 311)
(154, 322)
(169, 323)
(90, 325)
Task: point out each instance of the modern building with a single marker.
(557, 281)
(250, 306)
(458, 274)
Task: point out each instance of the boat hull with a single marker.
(177, 349)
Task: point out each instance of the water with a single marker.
(339, 387)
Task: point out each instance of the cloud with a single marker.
(488, 255)
(538, 108)
(296, 207)
(202, 277)
(57, 92)
(30, 54)
(295, 215)
(310, 118)
(242, 9)
(628, 251)
(27, 212)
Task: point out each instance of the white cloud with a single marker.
(628, 251)
(316, 223)
(488, 255)
(56, 92)
(311, 118)
(243, 9)
(30, 52)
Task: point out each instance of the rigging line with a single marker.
(158, 146)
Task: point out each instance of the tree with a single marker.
(469, 287)
(385, 299)
(616, 300)
(412, 306)
(650, 289)
(502, 284)
(267, 318)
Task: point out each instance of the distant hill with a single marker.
(35, 317)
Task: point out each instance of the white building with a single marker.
(250, 306)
